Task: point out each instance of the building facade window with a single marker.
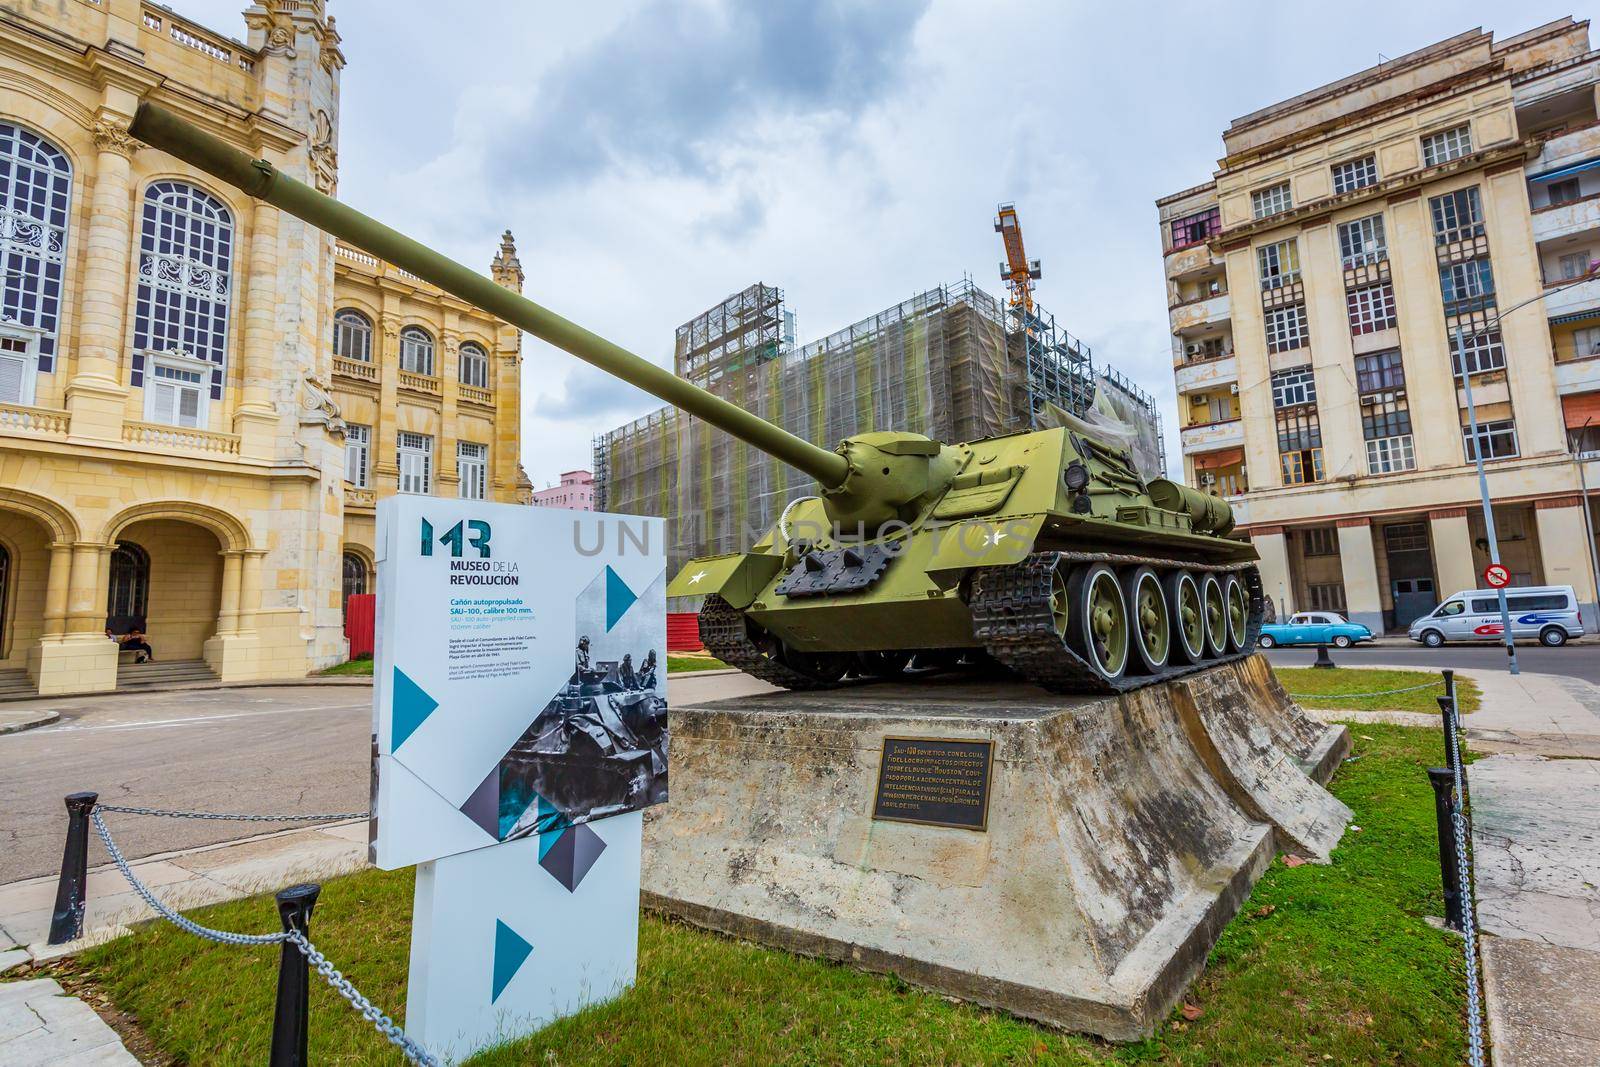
(1483, 352)
(1586, 342)
(185, 279)
(1574, 265)
(1196, 228)
(1325, 596)
(416, 350)
(1209, 408)
(1279, 263)
(1371, 308)
(1286, 328)
(1498, 440)
(176, 392)
(474, 363)
(129, 590)
(1564, 192)
(1457, 216)
(35, 198)
(357, 454)
(1467, 287)
(1387, 455)
(416, 463)
(352, 335)
(1355, 174)
(1272, 200)
(1362, 242)
(355, 577)
(1446, 145)
(1300, 445)
(19, 365)
(472, 468)
(1320, 541)
(1379, 371)
(1293, 387)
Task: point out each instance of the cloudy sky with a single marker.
(654, 156)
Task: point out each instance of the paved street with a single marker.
(1574, 661)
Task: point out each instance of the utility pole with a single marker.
(1483, 491)
(1588, 523)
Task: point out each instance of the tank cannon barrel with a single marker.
(160, 128)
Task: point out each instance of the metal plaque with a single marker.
(935, 781)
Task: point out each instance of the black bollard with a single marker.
(66, 922)
(1323, 660)
(290, 1021)
(1449, 684)
(1444, 805)
(1447, 712)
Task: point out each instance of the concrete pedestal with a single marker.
(1123, 833)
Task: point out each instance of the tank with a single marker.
(1044, 551)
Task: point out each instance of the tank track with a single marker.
(723, 632)
(1011, 618)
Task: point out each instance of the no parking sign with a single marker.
(1496, 576)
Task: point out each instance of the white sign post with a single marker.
(520, 727)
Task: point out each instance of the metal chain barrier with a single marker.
(341, 985)
(232, 817)
(1469, 921)
(1361, 696)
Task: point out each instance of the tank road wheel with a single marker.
(1188, 616)
(1238, 612)
(1216, 615)
(882, 665)
(1098, 625)
(739, 642)
(1141, 591)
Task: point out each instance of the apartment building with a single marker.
(574, 491)
(201, 398)
(1363, 252)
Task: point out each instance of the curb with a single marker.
(41, 718)
(261, 683)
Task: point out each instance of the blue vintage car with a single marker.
(1314, 628)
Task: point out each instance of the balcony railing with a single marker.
(419, 383)
(472, 394)
(355, 368)
(181, 438)
(24, 421)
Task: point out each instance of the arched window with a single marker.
(352, 335)
(416, 350)
(35, 187)
(355, 578)
(474, 365)
(130, 587)
(185, 279)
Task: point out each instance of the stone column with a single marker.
(1424, 345)
(1452, 551)
(255, 421)
(449, 483)
(86, 593)
(228, 611)
(385, 446)
(1564, 544)
(56, 588)
(1275, 580)
(95, 392)
(1359, 563)
(250, 589)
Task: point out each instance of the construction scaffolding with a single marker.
(950, 363)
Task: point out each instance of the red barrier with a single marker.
(683, 631)
(360, 614)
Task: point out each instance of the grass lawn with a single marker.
(1306, 684)
(354, 666)
(1325, 964)
(682, 664)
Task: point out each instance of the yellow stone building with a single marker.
(201, 399)
(1316, 287)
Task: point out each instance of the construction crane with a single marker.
(1018, 271)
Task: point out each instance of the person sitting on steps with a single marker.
(133, 641)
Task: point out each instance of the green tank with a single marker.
(1045, 551)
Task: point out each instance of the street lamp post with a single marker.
(1477, 447)
(1588, 523)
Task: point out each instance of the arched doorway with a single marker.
(167, 573)
(355, 579)
(128, 595)
(5, 600)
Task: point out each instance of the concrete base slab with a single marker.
(40, 1024)
(1123, 833)
(1543, 1011)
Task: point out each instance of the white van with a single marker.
(1547, 612)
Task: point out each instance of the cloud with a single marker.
(673, 82)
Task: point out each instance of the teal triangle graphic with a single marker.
(510, 950)
(619, 598)
(412, 706)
